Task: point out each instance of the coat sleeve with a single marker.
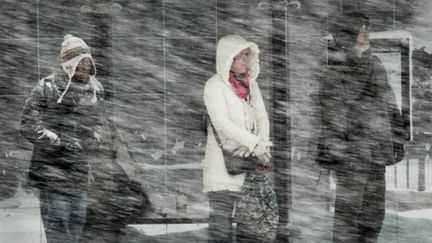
(330, 101)
(32, 120)
(262, 116)
(100, 126)
(217, 109)
(332, 118)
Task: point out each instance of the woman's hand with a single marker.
(262, 150)
(242, 152)
(54, 139)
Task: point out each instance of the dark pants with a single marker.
(359, 205)
(63, 216)
(220, 224)
(221, 209)
(103, 224)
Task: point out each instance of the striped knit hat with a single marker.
(73, 50)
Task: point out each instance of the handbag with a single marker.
(257, 210)
(235, 165)
(129, 200)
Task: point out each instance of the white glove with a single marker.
(97, 136)
(262, 147)
(264, 157)
(73, 144)
(262, 150)
(52, 136)
(242, 152)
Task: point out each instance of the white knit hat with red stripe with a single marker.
(73, 50)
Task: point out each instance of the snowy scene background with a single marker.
(153, 58)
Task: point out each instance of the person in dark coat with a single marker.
(360, 128)
(63, 118)
(86, 178)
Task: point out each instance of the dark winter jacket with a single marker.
(360, 120)
(62, 168)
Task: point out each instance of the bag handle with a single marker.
(218, 140)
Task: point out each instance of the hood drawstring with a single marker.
(64, 92)
(93, 83)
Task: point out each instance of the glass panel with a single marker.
(154, 57)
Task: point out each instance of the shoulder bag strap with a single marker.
(215, 132)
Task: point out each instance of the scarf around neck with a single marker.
(240, 83)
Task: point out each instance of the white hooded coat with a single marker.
(238, 122)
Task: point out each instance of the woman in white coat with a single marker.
(237, 112)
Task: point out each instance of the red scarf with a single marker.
(242, 90)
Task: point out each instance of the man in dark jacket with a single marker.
(360, 125)
(63, 118)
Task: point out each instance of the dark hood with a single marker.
(345, 28)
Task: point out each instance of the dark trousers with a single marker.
(103, 224)
(359, 205)
(63, 216)
(221, 209)
(220, 224)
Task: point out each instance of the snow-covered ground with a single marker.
(21, 223)
(414, 214)
(20, 220)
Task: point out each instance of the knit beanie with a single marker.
(73, 50)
